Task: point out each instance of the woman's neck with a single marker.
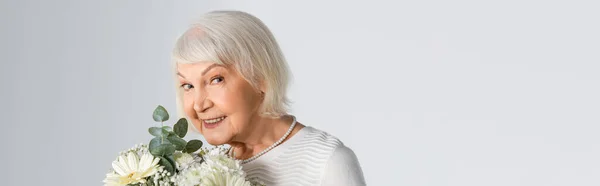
(265, 133)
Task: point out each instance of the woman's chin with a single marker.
(216, 139)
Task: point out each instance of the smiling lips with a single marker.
(212, 123)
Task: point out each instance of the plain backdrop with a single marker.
(427, 93)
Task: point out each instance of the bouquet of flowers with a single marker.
(170, 160)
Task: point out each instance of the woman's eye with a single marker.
(186, 86)
(216, 80)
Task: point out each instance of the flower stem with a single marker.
(162, 137)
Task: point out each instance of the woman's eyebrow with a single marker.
(179, 74)
(210, 67)
(204, 71)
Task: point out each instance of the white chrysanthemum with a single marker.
(216, 169)
(189, 177)
(217, 160)
(130, 169)
(224, 179)
(185, 160)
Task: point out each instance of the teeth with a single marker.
(211, 121)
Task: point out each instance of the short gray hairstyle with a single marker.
(238, 39)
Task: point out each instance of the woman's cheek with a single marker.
(187, 105)
(220, 99)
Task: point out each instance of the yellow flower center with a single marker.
(130, 175)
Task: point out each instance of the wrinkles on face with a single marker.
(212, 91)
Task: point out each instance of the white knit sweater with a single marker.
(310, 157)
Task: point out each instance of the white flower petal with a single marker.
(111, 179)
(155, 161)
(128, 169)
(123, 163)
(117, 167)
(145, 161)
(132, 161)
(149, 172)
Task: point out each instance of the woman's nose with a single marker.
(201, 103)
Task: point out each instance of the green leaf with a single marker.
(193, 146)
(171, 160)
(172, 134)
(181, 127)
(167, 128)
(178, 142)
(155, 131)
(160, 114)
(163, 149)
(155, 143)
(169, 149)
(165, 163)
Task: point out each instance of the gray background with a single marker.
(425, 92)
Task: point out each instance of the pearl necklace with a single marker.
(289, 131)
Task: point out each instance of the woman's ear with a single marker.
(262, 87)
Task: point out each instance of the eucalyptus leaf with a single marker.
(155, 131)
(181, 127)
(163, 149)
(193, 146)
(171, 160)
(165, 163)
(172, 134)
(179, 143)
(160, 114)
(167, 128)
(155, 142)
(169, 149)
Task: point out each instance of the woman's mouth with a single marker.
(214, 122)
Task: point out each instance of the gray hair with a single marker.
(241, 40)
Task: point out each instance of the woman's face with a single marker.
(218, 101)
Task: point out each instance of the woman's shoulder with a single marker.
(321, 138)
(313, 157)
(328, 144)
(341, 166)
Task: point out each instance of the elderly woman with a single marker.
(232, 83)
